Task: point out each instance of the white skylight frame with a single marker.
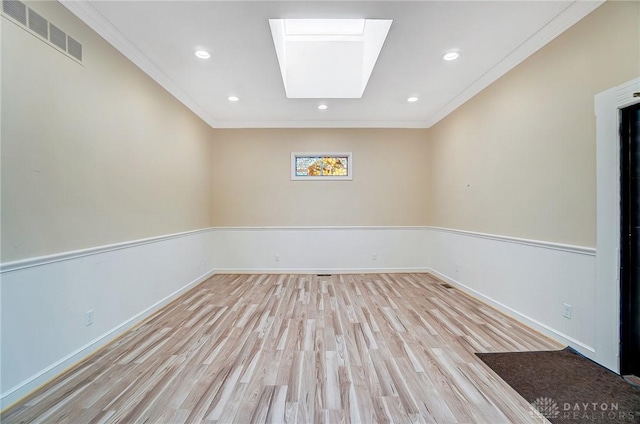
(327, 58)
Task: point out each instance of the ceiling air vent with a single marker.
(38, 24)
(30, 20)
(16, 9)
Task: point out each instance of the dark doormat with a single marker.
(566, 387)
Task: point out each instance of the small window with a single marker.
(321, 166)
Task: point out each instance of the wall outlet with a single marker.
(566, 311)
(374, 257)
(277, 257)
(88, 317)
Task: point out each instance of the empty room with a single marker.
(320, 211)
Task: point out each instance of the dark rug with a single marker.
(566, 387)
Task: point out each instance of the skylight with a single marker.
(327, 58)
(323, 26)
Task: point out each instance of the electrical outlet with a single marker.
(374, 257)
(88, 317)
(567, 310)
(277, 257)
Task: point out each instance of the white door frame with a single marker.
(607, 313)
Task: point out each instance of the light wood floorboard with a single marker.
(371, 348)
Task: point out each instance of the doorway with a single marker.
(630, 241)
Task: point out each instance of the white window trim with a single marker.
(347, 177)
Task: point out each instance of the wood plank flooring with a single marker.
(374, 348)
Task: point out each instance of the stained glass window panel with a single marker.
(306, 166)
(337, 166)
(321, 166)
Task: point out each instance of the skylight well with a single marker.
(327, 58)
(326, 27)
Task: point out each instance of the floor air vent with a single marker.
(446, 286)
(323, 275)
(36, 24)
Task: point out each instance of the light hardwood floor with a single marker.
(375, 348)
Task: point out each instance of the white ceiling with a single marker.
(161, 36)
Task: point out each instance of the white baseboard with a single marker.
(321, 271)
(32, 383)
(533, 323)
(45, 302)
(528, 280)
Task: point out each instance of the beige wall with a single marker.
(252, 183)
(93, 154)
(519, 158)
(99, 154)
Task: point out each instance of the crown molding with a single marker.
(573, 13)
(88, 14)
(319, 124)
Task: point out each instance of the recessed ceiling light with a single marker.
(452, 55)
(202, 54)
(412, 99)
(322, 107)
(233, 98)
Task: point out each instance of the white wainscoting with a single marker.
(320, 249)
(44, 301)
(529, 280)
